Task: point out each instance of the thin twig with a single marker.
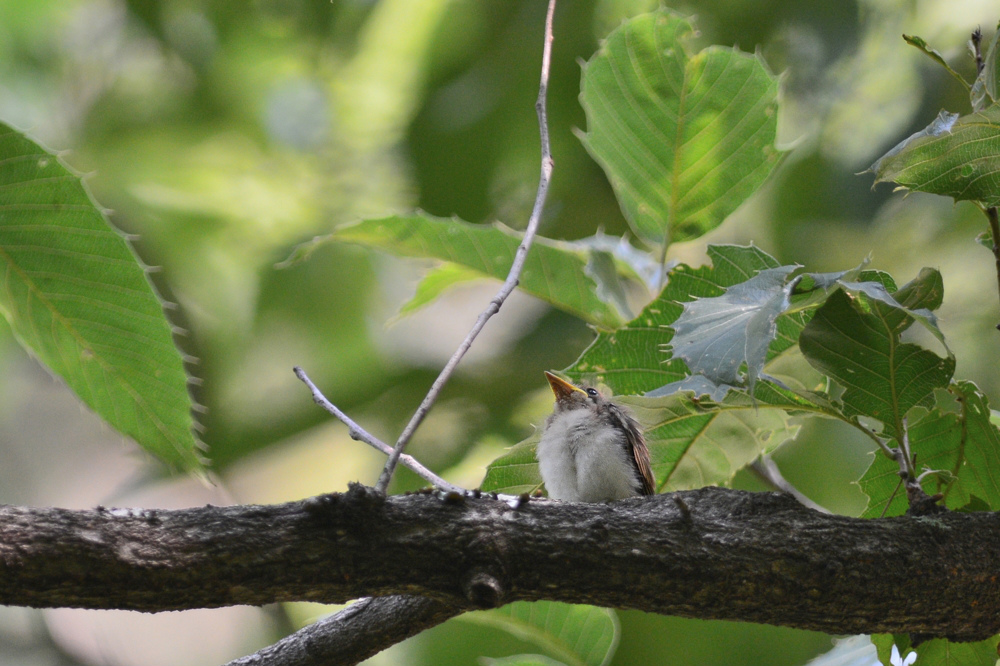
(766, 470)
(360, 434)
(977, 53)
(920, 502)
(991, 215)
(512, 277)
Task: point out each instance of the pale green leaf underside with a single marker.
(76, 297)
(633, 360)
(516, 471)
(576, 634)
(684, 139)
(716, 336)
(959, 159)
(554, 272)
(521, 660)
(435, 283)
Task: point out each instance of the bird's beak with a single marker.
(562, 388)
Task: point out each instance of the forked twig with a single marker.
(512, 277)
(360, 434)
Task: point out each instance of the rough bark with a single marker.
(709, 553)
(354, 634)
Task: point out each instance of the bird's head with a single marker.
(570, 396)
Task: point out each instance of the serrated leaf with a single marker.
(964, 445)
(516, 471)
(939, 651)
(883, 378)
(554, 272)
(936, 440)
(954, 156)
(631, 360)
(684, 138)
(716, 336)
(576, 634)
(981, 471)
(77, 298)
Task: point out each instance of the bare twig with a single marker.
(768, 472)
(512, 277)
(977, 53)
(991, 215)
(920, 502)
(360, 434)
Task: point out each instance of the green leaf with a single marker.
(435, 283)
(883, 378)
(575, 634)
(516, 471)
(684, 138)
(981, 468)
(694, 443)
(554, 272)
(985, 90)
(955, 157)
(936, 56)
(520, 660)
(936, 440)
(631, 360)
(964, 445)
(77, 298)
(939, 651)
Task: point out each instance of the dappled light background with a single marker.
(225, 134)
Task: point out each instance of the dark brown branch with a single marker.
(354, 634)
(736, 555)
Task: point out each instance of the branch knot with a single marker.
(483, 589)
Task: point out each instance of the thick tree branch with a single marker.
(709, 553)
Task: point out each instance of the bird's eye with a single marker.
(592, 392)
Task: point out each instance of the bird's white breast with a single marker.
(583, 459)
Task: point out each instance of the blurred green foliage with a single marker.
(225, 134)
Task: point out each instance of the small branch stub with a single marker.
(483, 590)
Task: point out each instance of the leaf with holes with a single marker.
(77, 298)
(716, 336)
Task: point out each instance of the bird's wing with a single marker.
(637, 447)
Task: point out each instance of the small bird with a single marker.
(592, 450)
